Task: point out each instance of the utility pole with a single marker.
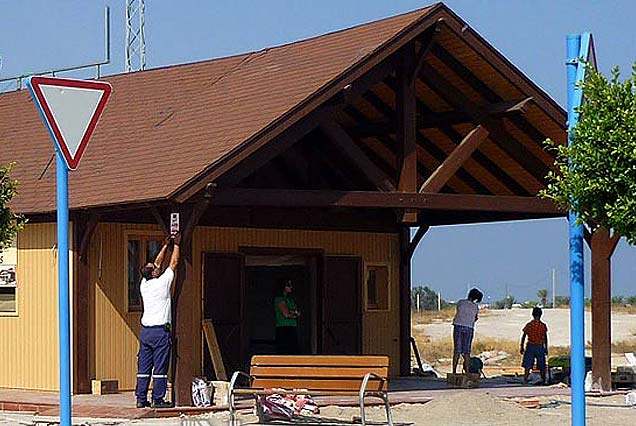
(439, 300)
(553, 288)
(417, 301)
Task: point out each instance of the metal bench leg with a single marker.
(362, 418)
(387, 406)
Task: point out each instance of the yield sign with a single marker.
(70, 109)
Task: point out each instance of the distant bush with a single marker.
(428, 298)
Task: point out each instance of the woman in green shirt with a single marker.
(287, 315)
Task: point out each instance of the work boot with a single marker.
(160, 403)
(143, 404)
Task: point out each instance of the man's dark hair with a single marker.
(475, 295)
(537, 312)
(146, 271)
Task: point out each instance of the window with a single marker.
(141, 249)
(8, 282)
(377, 287)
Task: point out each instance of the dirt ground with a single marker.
(507, 324)
(470, 408)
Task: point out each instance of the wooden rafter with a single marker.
(427, 145)
(455, 160)
(484, 161)
(338, 135)
(382, 200)
(489, 94)
(499, 135)
(429, 120)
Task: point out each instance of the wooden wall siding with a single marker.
(380, 329)
(29, 341)
(115, 332)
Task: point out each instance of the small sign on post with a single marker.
(174, 223)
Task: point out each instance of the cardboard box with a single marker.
(105, 387)
(464, 381)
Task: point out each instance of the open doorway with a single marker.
(264, 274)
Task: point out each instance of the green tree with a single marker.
(505, 303)
(542, 294)
(428, 298)
(10, 222)
(599, 182)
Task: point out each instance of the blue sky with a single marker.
(38, 35)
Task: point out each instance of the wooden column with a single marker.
(406, 128)
(186, 311)
(83, 228)
(405, 301)
(602, 246)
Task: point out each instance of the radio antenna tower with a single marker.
(135, 39)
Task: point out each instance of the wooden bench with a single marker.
(357, 375)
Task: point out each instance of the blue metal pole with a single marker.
(63, 290)
(577, 295)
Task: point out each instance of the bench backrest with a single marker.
(319, 372)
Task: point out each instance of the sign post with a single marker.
(70, 110)
(578, 46)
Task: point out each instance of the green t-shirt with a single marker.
(281, 321)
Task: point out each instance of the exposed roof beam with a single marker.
(508, 107)
(455, 160)
(374, 199)
(499, 135)
(489, 94)
(348, 146)
(444, 118)
(423, 143)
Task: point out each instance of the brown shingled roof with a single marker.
(163, 128)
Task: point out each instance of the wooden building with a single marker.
(310, 160)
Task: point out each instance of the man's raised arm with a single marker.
(174, 259)
(162, 253)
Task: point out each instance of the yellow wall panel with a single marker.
(115, 331)
(29, 340)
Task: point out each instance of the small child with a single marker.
(537, 348)
(464, 328)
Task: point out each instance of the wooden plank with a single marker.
(321, 384)
(321, 360)
(455, 160)
(214, 349)
(347, 146)
(392, 200)
(317, 372)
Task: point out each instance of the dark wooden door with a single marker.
(223, 304)
(341, 297)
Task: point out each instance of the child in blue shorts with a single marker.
(537, 348)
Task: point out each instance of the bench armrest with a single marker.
(236, 376)
(365, 381)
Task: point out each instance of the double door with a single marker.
(338, 307)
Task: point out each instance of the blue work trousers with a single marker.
(153, 360)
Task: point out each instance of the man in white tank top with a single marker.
(154, 343)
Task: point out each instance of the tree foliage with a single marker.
(428, 298)
(596, 174)
(10, 222)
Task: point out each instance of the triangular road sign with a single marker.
(70, 109)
